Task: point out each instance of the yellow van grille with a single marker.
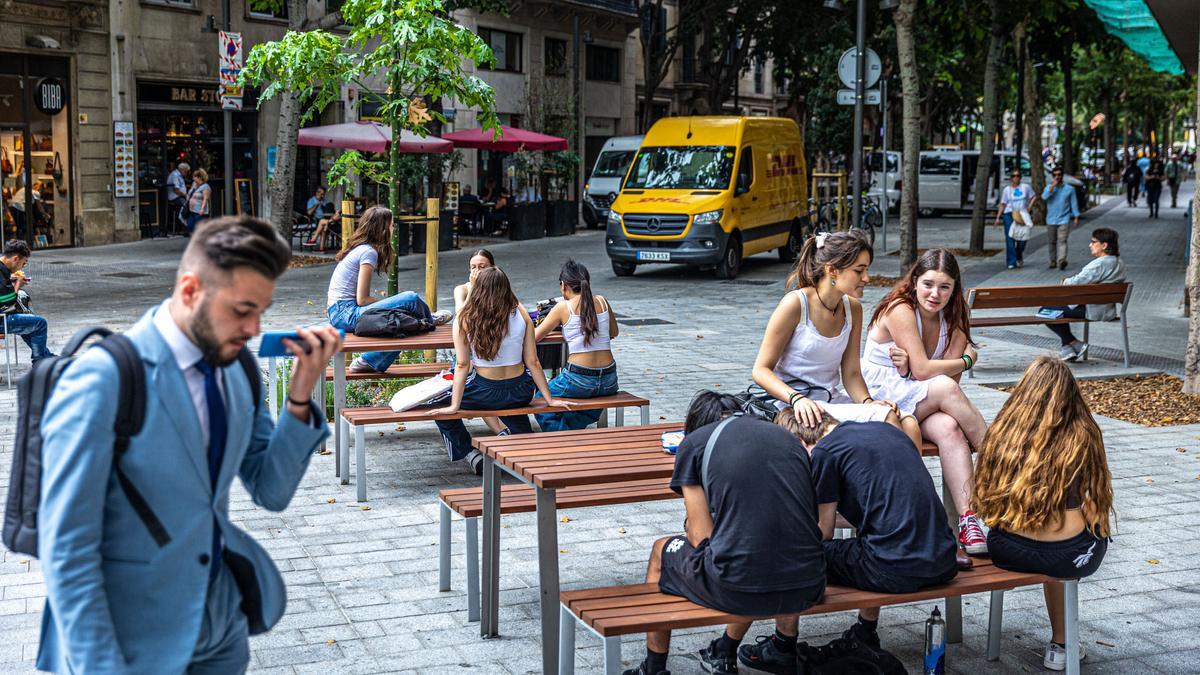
(654, 224)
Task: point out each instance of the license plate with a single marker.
(654, 256)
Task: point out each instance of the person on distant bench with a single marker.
(497, 365)
(873, 475)
(368, 252)
(752, 545)
(1105, 268)
(918, 346)
(320, 213)
(588, 327)
(1042, 483)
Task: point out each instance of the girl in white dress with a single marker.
(918, 346)
(810, 350)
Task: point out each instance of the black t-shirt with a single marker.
(765, 534)
(8, 292)
(883, 489)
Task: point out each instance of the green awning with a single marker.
(1132, 22)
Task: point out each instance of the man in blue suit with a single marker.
(117, 602)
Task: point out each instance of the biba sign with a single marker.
(50, 96)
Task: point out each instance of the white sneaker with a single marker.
(442, 316)
(1056, 657)
(360, 366)
(1082, 350)
(1067, 353)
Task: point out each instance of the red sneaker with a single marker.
(970, 534)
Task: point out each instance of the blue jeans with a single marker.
(344, 314)
(1013, 250)
(193, 219)
(481, 393)
(32, 328)
(578, 382)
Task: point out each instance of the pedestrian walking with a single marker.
(1132, 178)
(177, 192)
(199, 199)
(1017, 196)
(1174, 172)
(1153, 178)
(1062, 207)
(122, 597)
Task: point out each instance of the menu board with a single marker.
(124, 164)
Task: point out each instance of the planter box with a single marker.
(526, 221)
(445, 234)
(562, 216)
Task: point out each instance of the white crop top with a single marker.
(512, 346)
(577, 342)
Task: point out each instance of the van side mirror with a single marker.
(743, 184)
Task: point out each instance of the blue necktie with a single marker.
(217, 424)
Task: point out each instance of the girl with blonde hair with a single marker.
(1042, 484)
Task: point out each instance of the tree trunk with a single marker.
(906, 49)
(399, 228)
(1068, 144)
(1191, 358)
(282, 188)
(1033, 139)
(991, 104)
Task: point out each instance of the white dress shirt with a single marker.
(187, 355)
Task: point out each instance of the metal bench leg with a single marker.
(566, 641)
(548, 584)
(489, 623)
(443, 547)
(319, 396)
(995, 625)
(619, 413)
(472, 568)
(612, 656)
(1071, 616)
(603, 421)
(1086, 326)
(953, 619)
(343, 458)
(1125, 335)
(360, 461)
(645, 414)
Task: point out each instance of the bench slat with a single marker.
(1003, 297)
(1023, 320)
(397, 371)
(384, 415)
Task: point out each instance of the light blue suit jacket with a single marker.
(116, 602)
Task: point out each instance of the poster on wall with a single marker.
(230, 58)
(124, 164)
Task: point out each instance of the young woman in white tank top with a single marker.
(497, 365)
(918, 346)
(809, 356)
(588, 327)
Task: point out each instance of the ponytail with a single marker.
(575, 277)
(837, 249)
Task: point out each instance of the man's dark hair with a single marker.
(17, 248)
(230, 242)
(1057, 169)
(1107, 236)
(809, 436)
(708, 406)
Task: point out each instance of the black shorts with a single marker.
(848, 563)
(1074, 558)
(684, 574)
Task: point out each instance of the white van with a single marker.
(947, 180)
(605, 180)
(885, 179)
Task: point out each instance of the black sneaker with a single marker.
(765, 657)
(475, 459)
(641, 670)
(717, 664)
(863, 634)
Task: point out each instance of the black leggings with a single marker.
(1074, 558)
(1131, 193)
(1063, 330)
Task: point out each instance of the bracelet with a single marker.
(968, 361)
(302, 404)
(866, 401)
(792, 399)
(908, 375)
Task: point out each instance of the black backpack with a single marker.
(33, 393)
(846, 656)
(383, 322)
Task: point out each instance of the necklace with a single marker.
(832, 310)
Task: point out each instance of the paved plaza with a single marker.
(363, 582)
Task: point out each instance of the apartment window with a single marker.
(603, 64)
(689, 57)
(759, 67)
(781, 86)
(171, 3)
(506, 47)
(267, 13)
(554, 52)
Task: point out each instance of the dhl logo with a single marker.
(674, 200)
(783, 165)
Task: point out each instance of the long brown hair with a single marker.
(1043, 442)
(374, 228)
(485, 316)
(957, 315)
(837, 249)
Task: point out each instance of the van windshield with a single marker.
(613, 164)
(682, 168)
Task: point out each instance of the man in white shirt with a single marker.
(1017, 196)
(177, 192)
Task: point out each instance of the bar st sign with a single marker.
(230, 60)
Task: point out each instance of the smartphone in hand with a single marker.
(272, 342)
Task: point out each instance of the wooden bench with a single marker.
(359, 418)
(615, 611)
(520, 498)
(396, 372)
(1010, 297)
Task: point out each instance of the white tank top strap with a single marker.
(512, 345)
(810, 357)
(577, 342)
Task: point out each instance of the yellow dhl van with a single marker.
(708, 191)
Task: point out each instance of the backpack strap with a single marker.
(708, 449)
(250, 365)
(131, 414)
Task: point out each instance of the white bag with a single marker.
(1021, 228)
(422, 392)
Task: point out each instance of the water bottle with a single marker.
(935, 644)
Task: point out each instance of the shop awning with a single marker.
(1133, 22)
(510, 139)
(369, 136)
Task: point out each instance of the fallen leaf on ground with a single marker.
(1148, 400)
(562, 550)
(565, 519)
(621, 530)
(1180, 449)
(1153, 561)
(366, 508)
(330, 642)
(331, 500)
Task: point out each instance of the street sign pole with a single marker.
(883, 196)
(227, 123)
(860, 42)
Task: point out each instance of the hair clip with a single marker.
(821, 239)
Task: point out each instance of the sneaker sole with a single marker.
(976, 549)
(1071, 357)
(1082, 352)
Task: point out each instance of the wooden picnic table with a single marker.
(547, 462)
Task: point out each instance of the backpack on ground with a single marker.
(384, 322)
(33, 393)
(846, 656)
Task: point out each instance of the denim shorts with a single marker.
(578, 382)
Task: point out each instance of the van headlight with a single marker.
(614, 218)
(707, 217)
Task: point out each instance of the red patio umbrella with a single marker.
(369, 136)
(511, 140)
